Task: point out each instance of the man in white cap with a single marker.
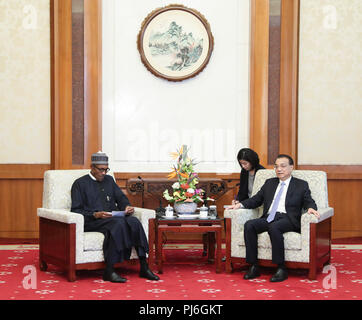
(95, 196)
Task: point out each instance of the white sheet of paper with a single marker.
(118, 213)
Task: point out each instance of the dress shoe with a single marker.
(113, 277)
(280, 275)
(253, 272)
(148, 274)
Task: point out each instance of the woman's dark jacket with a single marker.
(243, 185)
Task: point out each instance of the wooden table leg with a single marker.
(159, 249)
(151, 243)
(211, 247)
(228, 264)
(218, 251)
(205, 242)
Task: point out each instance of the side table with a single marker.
(157, 228)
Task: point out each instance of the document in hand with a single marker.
(118, 213)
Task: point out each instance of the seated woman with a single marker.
(249, 162)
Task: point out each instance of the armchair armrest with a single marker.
(241, 216)
(65, 217)
(144, 215)
(325, 213)
(61, 215)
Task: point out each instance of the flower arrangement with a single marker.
(185, 188)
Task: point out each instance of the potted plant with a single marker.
(185, 194)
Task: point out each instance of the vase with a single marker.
(185, 207)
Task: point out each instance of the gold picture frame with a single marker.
(175, 42)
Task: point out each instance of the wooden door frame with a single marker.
(61, 82)
(259, 64)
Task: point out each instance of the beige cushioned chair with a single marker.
(309, 249)
(62, 240)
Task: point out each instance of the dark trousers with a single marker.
(121, 234)
(275, 229)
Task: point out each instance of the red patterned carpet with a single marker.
(187, 276)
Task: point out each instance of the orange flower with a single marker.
(174, 155)
(172, 175)
(184, 175)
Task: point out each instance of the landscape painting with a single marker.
(175, 42)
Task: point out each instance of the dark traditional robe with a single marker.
(121, 233)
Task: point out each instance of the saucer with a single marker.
(188, 216)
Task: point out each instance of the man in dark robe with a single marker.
(95, 196)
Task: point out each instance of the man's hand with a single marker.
(234, 206)
(102, 215)
(312, 211)
(129, 210)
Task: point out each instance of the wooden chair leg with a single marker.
(205, 240)
(312, 275)
(228, 266)
(228, 263)
(71, 275)
(211, 247)
(43, 265)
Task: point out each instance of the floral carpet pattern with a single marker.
(187, 276)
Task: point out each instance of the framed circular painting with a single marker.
(175, 42)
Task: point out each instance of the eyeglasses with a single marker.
(282, 166)
(105, 170)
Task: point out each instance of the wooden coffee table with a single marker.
(157, 228)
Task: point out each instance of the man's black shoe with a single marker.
(113, 277)
(280, 275)
(148, 274)
(253, 272)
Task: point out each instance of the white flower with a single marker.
(211, 290)
(101, 291)
(156, 290)
(201, 271)
(190, 190)
(44, 291)
(176, 185)
(167, 196)
(206, 280)
(266, 290)
(320, 291)
(49, 281)
(357, 281)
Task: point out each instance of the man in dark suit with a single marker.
(283, 198)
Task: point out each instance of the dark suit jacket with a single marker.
(298, 197)
(244, 182)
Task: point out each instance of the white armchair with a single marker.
(62, 240)
(309, 249)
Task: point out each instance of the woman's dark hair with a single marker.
(249, 155)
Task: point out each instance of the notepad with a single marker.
(118, 213)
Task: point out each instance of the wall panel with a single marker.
(21, 190)
(145, 117)
(21, 185)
